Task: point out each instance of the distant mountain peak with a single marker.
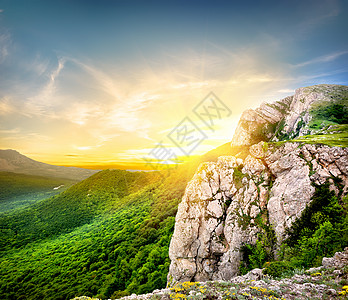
(13, 161)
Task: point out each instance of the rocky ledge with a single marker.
(330, 281)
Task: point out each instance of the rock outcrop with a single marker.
(228, 203)
(225, 201)
(256, 125)
(288, 117)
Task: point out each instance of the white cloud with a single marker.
(323, 59)
(9, 131)
(81, 113)
(260, 78)
(39, 137)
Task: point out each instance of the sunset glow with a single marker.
(99, 84)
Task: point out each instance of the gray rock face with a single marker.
(298, 117)
(289, 116)
(224, 201)
(256, 125)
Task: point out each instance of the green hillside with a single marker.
(107, 235)
(53, 248)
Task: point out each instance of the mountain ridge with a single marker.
(13, 161)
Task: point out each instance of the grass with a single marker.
(331, 135)
(333, 140)
(320, 123)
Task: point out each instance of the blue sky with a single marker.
(101, 82)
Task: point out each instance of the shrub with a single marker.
(277, 268)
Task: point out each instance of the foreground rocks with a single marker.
(329, 281)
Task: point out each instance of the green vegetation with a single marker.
(263, 133)
(256, 255)
(238, 176)
(333, 112)
(321, 231)
(331, 135)
(107, 236)
(328, 113)
(19, 190)
(276, 269)
(323, 114)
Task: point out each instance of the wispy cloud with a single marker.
(322, 59)
(85, 148)
(260, 78)
(316, 14)
(105, 81)
(127, 117)
(5, 44)
(9, 131)
(40, 103)
(6, 106)
(82, 113)
(39, 65)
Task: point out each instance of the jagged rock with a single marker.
(291, 190)
(221, 203)
(314, 270)
(254, 125)
(331, 292)
(255, 274)
(338, 261)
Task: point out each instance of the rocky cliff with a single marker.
(228, 203)
(289, 117)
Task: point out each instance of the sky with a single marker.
(108, 83)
